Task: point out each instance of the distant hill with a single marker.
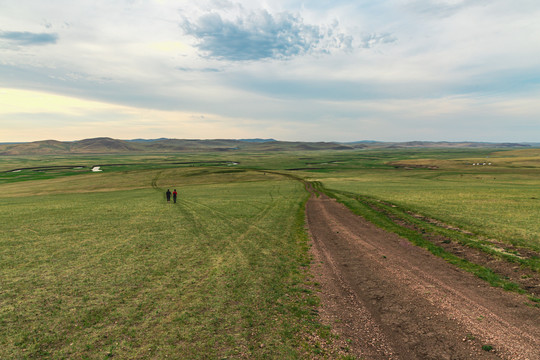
(105, 145)
(145, 140)
(445, 144)
(244, 140)
(258, 140)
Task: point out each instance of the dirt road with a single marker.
(388, 299)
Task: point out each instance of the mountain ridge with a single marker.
(101, 145)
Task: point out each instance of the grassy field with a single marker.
(501, 201)
(496, 205)
(423, 195)
(98, 265)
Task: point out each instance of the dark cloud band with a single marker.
(25, 38)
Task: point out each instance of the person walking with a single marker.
(174, 194)
(168, 194)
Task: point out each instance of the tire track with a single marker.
(339, 297)
(234, 223)
(424, 307)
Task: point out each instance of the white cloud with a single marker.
(280, 65)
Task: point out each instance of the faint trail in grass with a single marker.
(233, 223)
(155, 180)
(191, 216)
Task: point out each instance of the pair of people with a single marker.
(174, 195)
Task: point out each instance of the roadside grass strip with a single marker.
(384, 215)
(503, 206)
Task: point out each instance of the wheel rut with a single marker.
(388, 299)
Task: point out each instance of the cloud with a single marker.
(371, 40)
(25, 38)
(282, 69)
(203, 70)
(444, 8)
(260, 35)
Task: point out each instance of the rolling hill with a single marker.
(105, 145)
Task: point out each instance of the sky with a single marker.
(319, 70)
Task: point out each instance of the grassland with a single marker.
(496, 205)
(500, 201)
(440, 201)
(97, 265)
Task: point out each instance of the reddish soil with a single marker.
(388, 299)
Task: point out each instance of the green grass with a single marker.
(97, 274)
(97, 265)
(500, 204)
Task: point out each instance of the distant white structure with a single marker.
(96, 169)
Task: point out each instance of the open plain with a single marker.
(398, 254)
